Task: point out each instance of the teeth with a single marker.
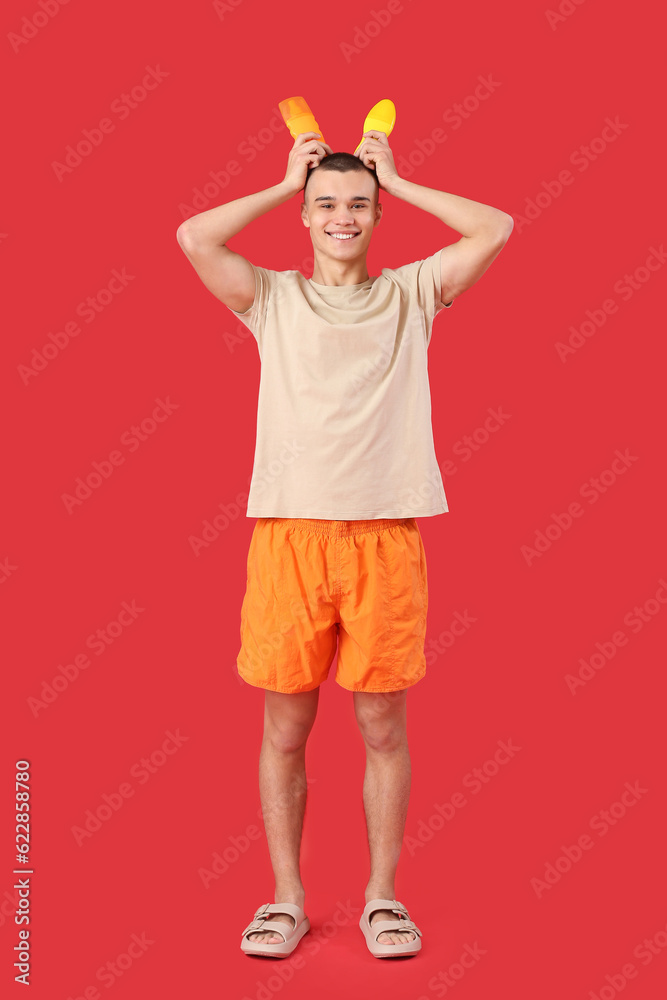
(342, 236)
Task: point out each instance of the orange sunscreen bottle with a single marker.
(298, 117)
(381, 118)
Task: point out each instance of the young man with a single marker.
(344, 463)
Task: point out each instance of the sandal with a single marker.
(290, 935)
(401, 923)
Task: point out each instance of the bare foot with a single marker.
(391, 937)
(271, 937)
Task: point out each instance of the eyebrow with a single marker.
(331, 197)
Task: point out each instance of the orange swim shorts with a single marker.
(314, 586)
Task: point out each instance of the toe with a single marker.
(391, 937)
(272, 937)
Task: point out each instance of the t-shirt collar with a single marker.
(359, 284)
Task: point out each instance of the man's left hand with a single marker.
(374, 152)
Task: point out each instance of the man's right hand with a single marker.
(307, 152)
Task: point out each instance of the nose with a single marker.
(344, 217)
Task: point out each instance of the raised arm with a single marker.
(203, 238)
(485, 230)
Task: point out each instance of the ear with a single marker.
(304, 215)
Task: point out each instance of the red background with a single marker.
(165, 336)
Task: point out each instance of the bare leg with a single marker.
(288, 720)
(382, 723)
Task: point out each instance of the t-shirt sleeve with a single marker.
(421, 280)
(255, 317)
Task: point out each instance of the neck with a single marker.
(334, 272)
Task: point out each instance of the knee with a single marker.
(382, 719)
(382, 734)
(287, 735)
(288, 719)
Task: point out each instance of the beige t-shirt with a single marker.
(344, 408)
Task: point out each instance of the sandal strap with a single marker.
(276, 927)
(395, 927)
(256, 921)
(261, 920)
(401, 923)
(387, 904)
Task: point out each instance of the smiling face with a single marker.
(341, 212)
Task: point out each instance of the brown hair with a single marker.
(343, 162)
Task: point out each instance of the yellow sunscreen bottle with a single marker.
(298, 117)
(381, 118)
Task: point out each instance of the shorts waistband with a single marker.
(324, 527)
